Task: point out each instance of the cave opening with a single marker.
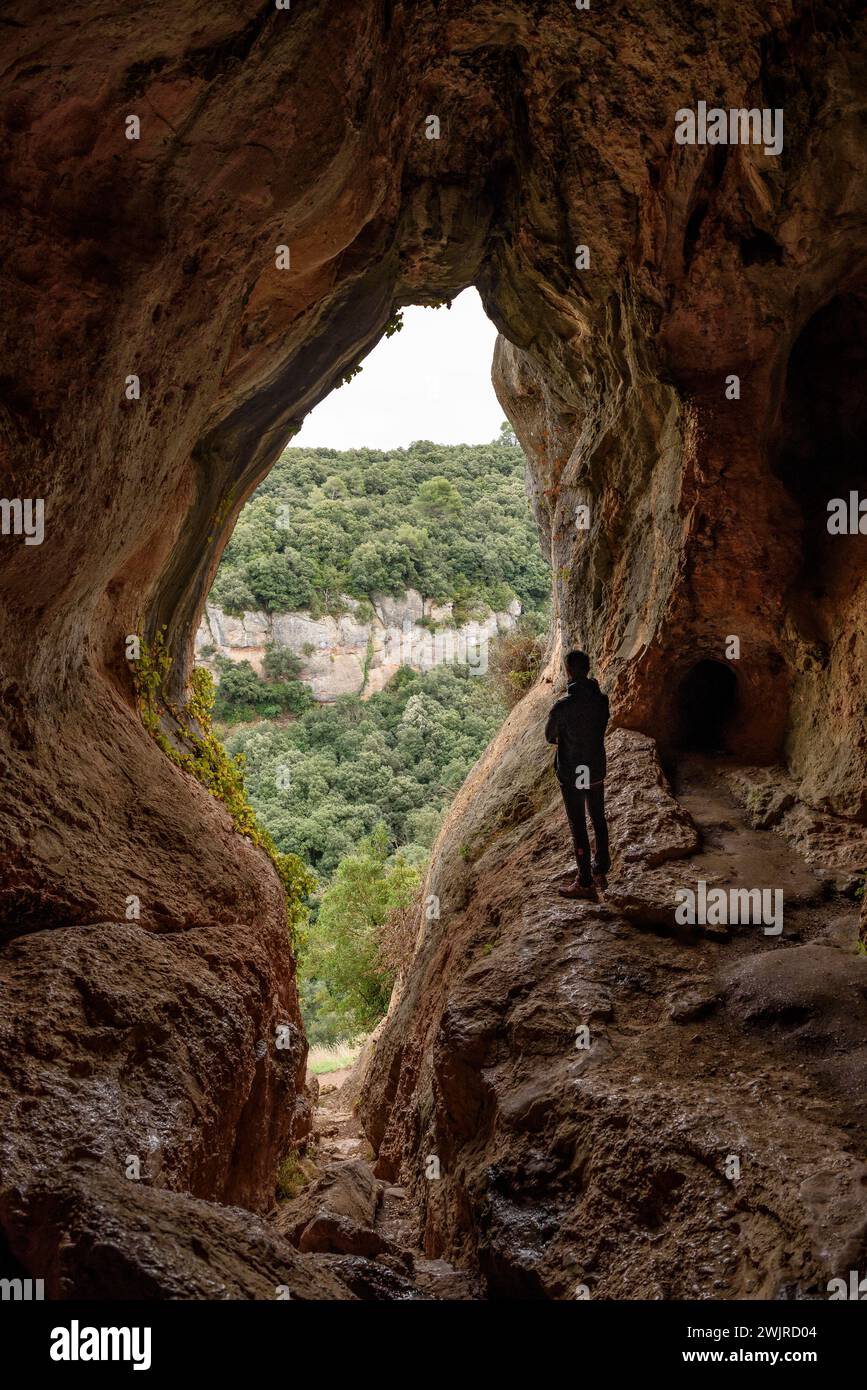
(706, 704)
(363, 631)
(278, 199)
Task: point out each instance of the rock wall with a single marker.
(351, 655)
(156, 361)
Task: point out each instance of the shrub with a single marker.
(397, 936)
(514, 662)
(242, 695)
(280, 664)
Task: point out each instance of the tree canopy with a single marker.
(452, 521)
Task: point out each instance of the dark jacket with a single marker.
(577, 725)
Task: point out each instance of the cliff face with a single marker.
(158, 359)
(354, 654)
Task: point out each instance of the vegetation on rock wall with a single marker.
(194, 747)
(516, 658)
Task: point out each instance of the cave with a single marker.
(155, 252)
(707, 702)
(819, 453)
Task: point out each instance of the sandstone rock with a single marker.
(326, 1233)
(370, 1280)
(826, 841)
(156, 257)
(604, 1164)
(394, 612)
(90, 1233)
(345, 1191)
(350, 1091)
(693, 1003)
(337, 1215)
(813, 996)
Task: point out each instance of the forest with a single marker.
(452, 521)
(358, 788)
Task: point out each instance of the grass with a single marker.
(322, 1060)
(293, 1175)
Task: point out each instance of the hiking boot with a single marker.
(600, 881)
(577, 889)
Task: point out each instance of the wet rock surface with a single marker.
(155, 258)
(587, 1077)
(359, 1228)
(117, 1239)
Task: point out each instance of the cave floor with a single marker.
(362, 1226)
(711, 1138)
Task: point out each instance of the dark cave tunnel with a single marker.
(706, 702)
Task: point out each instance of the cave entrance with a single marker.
(348, 629)
(706, 703)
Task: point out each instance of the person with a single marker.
(577, 725)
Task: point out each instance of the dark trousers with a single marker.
(577, 804)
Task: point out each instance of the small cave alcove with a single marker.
(819, 451)
(705, 704)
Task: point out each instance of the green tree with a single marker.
(280, 664)
(335, 486)
(343, 947)
(439, 499)
(451, 520)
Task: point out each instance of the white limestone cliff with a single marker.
(354, 653)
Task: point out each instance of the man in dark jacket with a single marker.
(577, 725)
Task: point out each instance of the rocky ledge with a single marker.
(591, 1099)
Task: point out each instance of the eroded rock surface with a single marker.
(608, 1165)
(154, 258)
(356, 1226)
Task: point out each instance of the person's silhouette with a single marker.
(577, 725)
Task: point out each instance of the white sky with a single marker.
(432, 380)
